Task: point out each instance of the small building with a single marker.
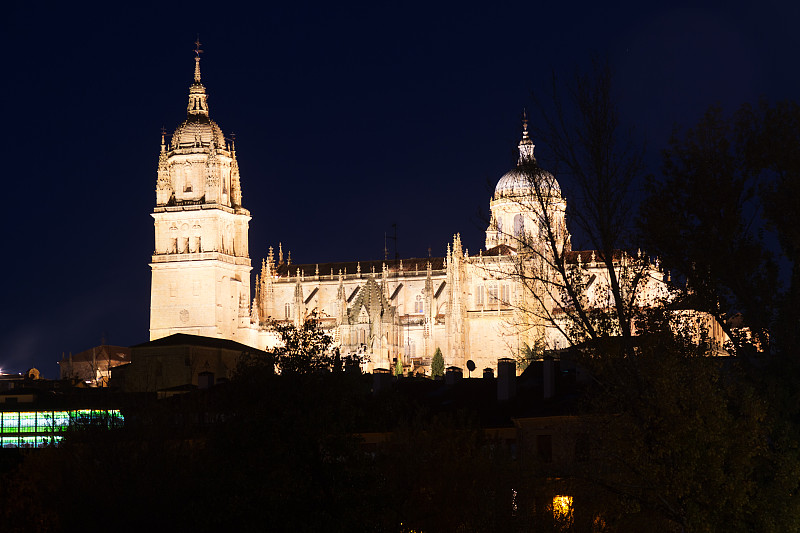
(93, 366)
(179, 360)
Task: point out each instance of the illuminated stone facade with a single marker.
(201, 263)
(473, 307)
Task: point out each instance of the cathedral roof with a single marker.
(198, 130)
(500, 249)
(410, 265)
(525, 180)
(527, 177)
(587, 256)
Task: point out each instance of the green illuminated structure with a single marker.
(35, 429)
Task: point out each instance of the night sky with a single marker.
(347, 120)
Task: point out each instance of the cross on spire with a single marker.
(197, 52)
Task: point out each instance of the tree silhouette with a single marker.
(437, 363)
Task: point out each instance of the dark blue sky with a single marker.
(347, 118)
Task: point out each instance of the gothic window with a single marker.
(479, 296)
(499, 225)
(187, 177)
(287, 309)
(418, 304)
(519, 226)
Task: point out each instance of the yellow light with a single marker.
(562, 509)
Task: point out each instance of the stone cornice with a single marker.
(200, 207)
(201, 256)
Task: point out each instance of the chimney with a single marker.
(381, 379)
(506, 379)
(452, 374)
(488, 373)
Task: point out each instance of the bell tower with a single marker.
(201, 263)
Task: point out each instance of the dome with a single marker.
(197, 131)
(523, 180)
(528, 178)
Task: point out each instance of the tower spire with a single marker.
(198, 99)
(525, 145)
(197, 52)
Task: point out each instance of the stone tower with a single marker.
(201, 264)
(527, 201)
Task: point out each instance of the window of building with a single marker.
(479, 296)
(418, 304)
(27, 422)
(562, 511)
(519, 226)
(504, 294)
(491, 290)
(287, 310)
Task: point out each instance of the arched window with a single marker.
(519, 226)
(499, 225)
(418, 304)
(287, 310)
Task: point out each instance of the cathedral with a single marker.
(473, 307)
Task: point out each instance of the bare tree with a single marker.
(584, 296)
